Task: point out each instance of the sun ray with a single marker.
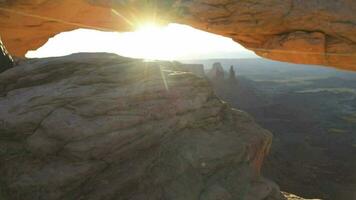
(123, 17)
(164, 78)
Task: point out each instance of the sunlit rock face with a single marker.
(313, 32)
(100, 126)
(294, 197)
(299, 31)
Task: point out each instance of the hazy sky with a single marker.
(171, 42)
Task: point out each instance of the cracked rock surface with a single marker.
(100, 126)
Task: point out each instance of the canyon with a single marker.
(101, 126)
(311, 112)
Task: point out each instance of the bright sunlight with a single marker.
(171, 42)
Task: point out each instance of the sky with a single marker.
(171, 42)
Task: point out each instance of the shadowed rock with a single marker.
(6, 61)
(100, 126)
(216, 73)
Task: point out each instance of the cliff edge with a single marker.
(100, 126)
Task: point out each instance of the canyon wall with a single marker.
(100, 126)
(299, 31)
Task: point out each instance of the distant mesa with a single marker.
(232, 74)
(216, 72)
(197, 69)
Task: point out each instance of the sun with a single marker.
(149, 27)
(152, 41)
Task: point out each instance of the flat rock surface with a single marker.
(100, 126)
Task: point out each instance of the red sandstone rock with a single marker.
(299, 31)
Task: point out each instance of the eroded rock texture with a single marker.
(99, 126)
(299, 31)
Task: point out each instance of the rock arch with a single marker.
(299, 31)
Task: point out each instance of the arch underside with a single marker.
(308, 32)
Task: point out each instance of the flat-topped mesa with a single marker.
(100, 126)
(197, 69)
(309, 32)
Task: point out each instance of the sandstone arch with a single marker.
(299, 31)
